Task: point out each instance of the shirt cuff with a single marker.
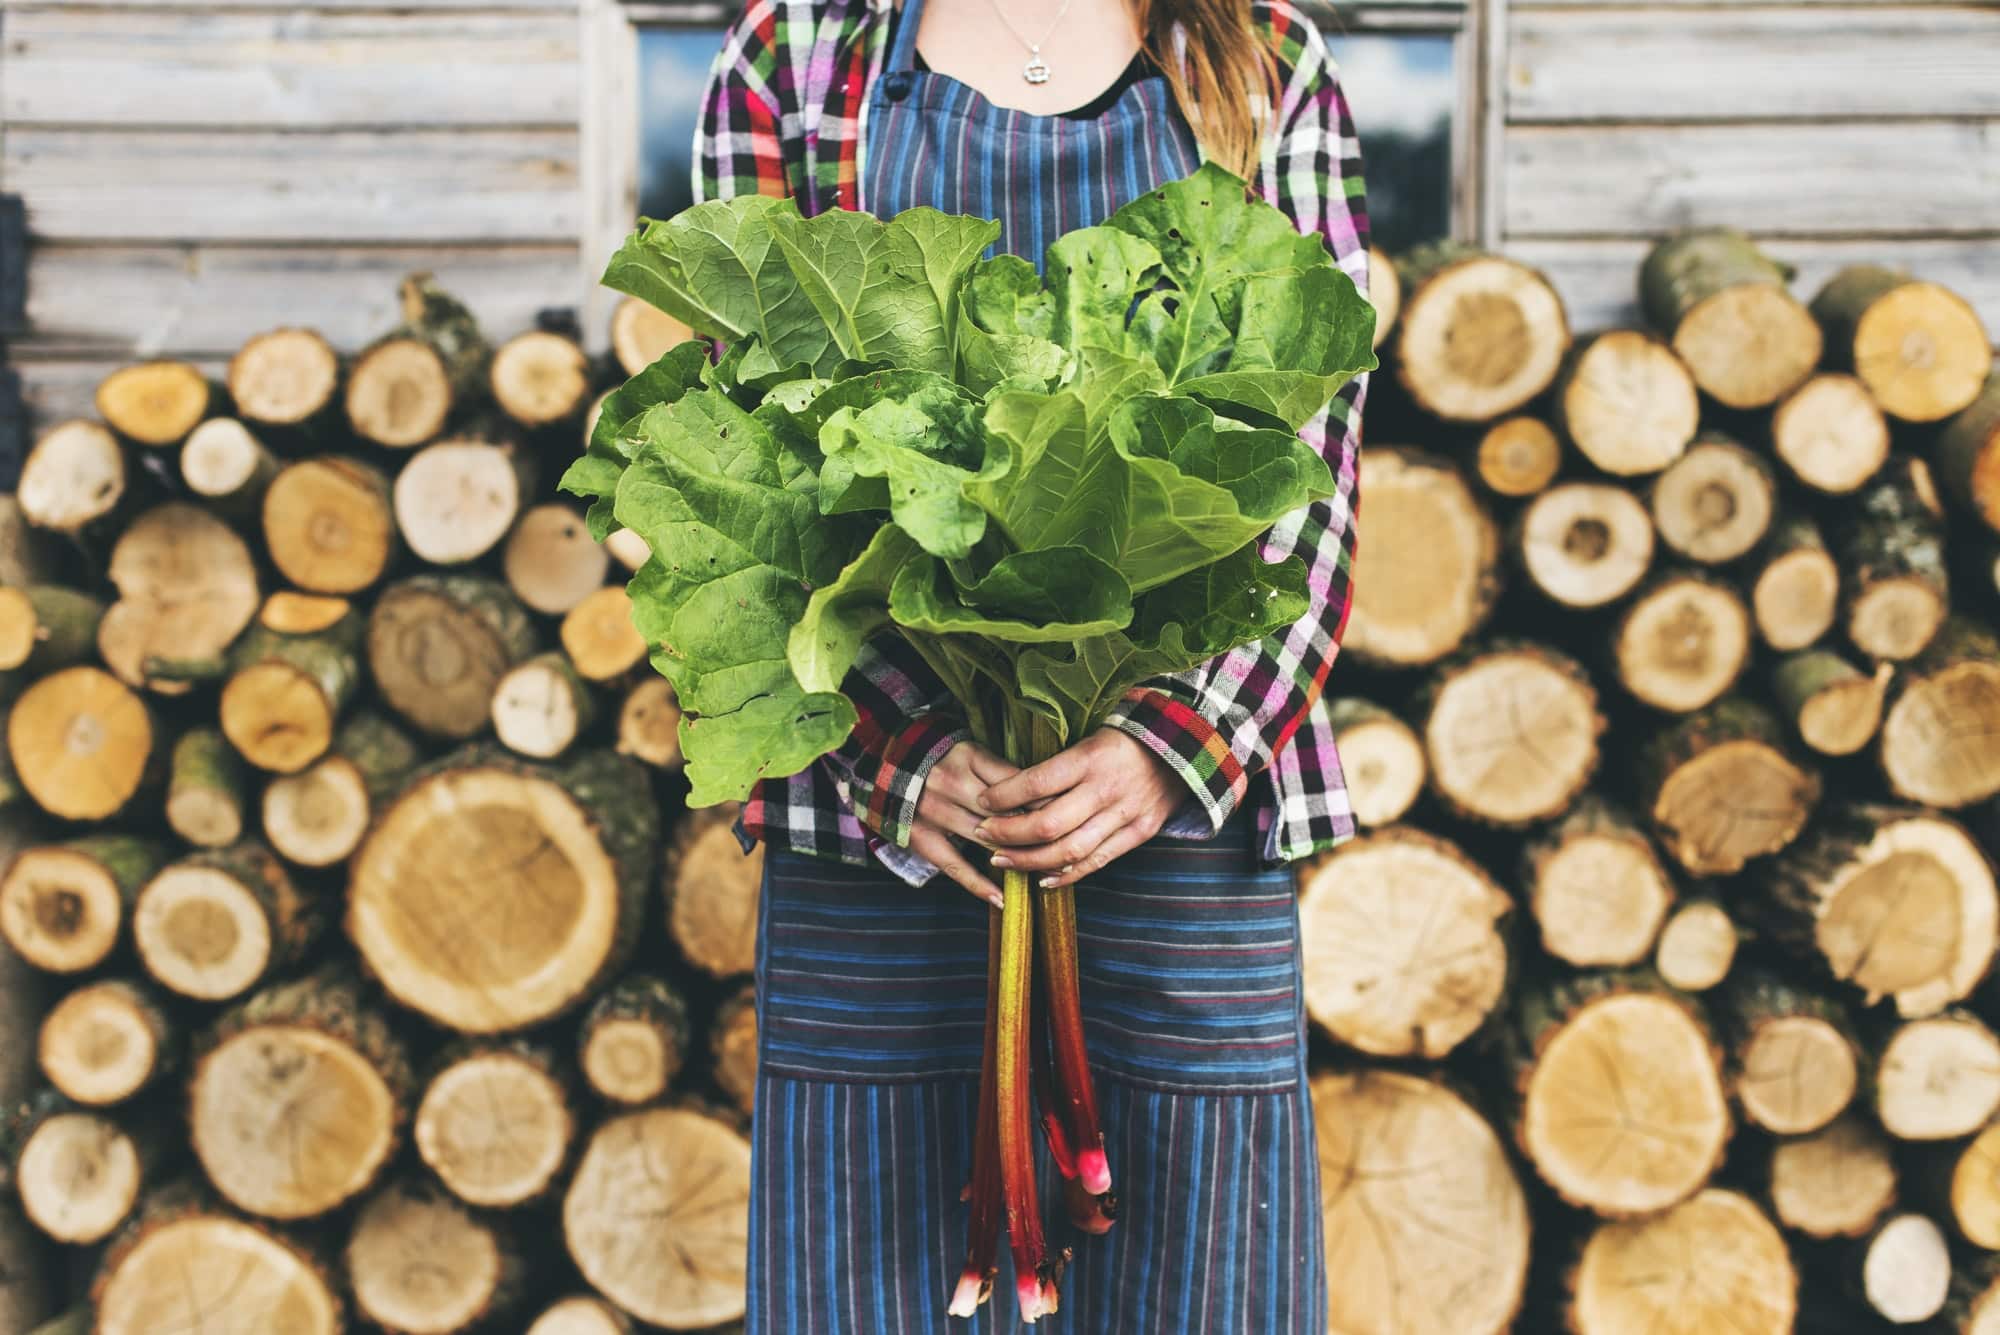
(1172, 730)
(897, 784)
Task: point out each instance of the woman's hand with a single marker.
(1081, 808)
(949, 805)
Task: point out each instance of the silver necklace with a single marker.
(1037, 69)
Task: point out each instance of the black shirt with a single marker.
(1140, 67)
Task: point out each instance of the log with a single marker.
(1382, 757)
(1716, 502)
(1967, 456)
(205, 789)
(642, 333)
(1720, 789)
(1712, 1263)
(44, 628)
(1697, 947)
(1918, 347)
(1973, 1187)
(541, 706)
(27, 554)
(495, 1123)
(63, 906)
(550, 560)
(438, 645)
(1479, 335)
(184, 1264)
(1385, 294)
(187, 586)
(599, 637)
(1627, 403)
(1598, 891)
(1894, 582)
(492, 894)
(1401, 1148)
(711, 887)
(328, 524)
(316, 818)
(1518, 456)
(420, 1262)
(1404, 954)
(581, 1314)
(28, 1288)
(1682, 641)
(1905, 1268)
(1940, 740)
(289, 612)
(404, 387)
(1511, 732)
(539, 378)
(1938, 1078)
(216, 923)
(1974, 1305)
(1899, 902)
(1794, 585)
(154, 403)
(634, 1040)
(105, 1041)
(72, 479)
(1429, 578)
(1830, 434)
(227, 466)
(1794, 1065)
(284, 378)
(78, 1173)
(1836, 1183)
(733, 1049)
(657, 1216)
(1622, 1108)
(297, 1097)
(649, 724)
(457, 498)
(282, 702)
(1724, 306)
(1835, 707)
(628, 548)
(1583, 544)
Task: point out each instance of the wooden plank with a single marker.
(1745, 63)
(1598, 279)
(1816, 178)
(318, 71)
(348, 186)
(610, 135)
(201, 299)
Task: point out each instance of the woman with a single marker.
(1048, 115)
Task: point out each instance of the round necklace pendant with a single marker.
(1036, 70)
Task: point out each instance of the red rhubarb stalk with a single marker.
(1034, 1277)
(1090, 1214)
(1053, 1113)
(1072, 1060)
(975, 1281)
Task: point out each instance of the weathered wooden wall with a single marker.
(1841, 131)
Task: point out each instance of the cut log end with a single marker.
(224, 462)
(1479, 338)
(540, 706)
(1403, 953)
(1938, 1079)
(1830, 433)
(81, 742)
(712, 890)
(278, 715)
(733, 1046)
(495, 1126)
(61, 910)
(628, 548)
(1941, 739)
(1383, 759)
(1715, 503)
(1922, 352)
(419, 1262)
(1697, 947)
(642, 333)
(316, 818)
(1975, 1189)
(1906, 1270)
(203, 931)
(102, 1043)
(74, 476)
(1682, 643)
(1512, 735)
(628, 1061)
(1385, 294)
(657, 1217)
(1835, 1183)
(1519, 456)
(205, 1270)
(1599, 897)
(399, 393)
(438, 646)
(1795, 597)
(187, 585)
(1623, 1111)
(1428, 580)
(551, 562)
(1629, 404)
(581, 1315)
(1796, 1073)
(1585, 544)
(649, 724)
(1895, 618)
(1397, 1147)
(1709, 1264)
(328, 525)
(539, 378)
(284, 377)
(599, 636)
(1836, 709)
(154, 403)
(1749, 345)
(456, 499)
(1723, 791)
(78, 1176)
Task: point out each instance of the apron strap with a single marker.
(903, 51)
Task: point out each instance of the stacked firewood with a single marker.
(389, 983)
(341, 811)
(1671, 706)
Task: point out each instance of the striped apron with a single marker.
(871, 994)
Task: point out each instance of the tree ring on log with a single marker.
(207, 1271)
(316, 817)
(1907, 1271)
(60, 909)
(1975, 1189)
(1830, 433)
(1709, 1264)
(81, 742)
(75, 474)
(399, 393)
(202, 932)
(154, 403)
(1586, 544)
(1480, 337)
(455, 499)
(581, 1315)
(78, 1176)
(1512, 735)
(1749, 344)
(1682, 643)
(1797, 1072)
(1697, 947)
(283, 377)
(1834, 1183)
(712, 893)
(495, 1128)
(641, 333)
(419, 1263)
(1938, 1079)
(101, 1043)
(1427, 581)
(1939, 742)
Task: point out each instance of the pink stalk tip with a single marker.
(1037, 1298)
(1093, 1170)
(972, 1290)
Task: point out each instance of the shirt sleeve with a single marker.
(1224, 721)
(739, 144)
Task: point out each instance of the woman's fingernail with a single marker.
(980, 832)
(997, 901)
(1002, 861)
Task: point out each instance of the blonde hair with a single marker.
(1223, 73)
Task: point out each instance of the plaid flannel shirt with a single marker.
(783, 114)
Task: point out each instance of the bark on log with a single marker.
(492, 894)
(1518, 456)
(1941, 737)
(284, 378)
(634, 1040)
(1968, 455)
(1725, 307)
(1918, 347)
(495, 1123)
(1396, 1147)
(1682, 641)
(1709, 1264)
(581, 1314)
(1511, 732)
(205, 789)
(457, 498)
(328, 524)
(1598, 892)
(438, 645)
(285, 693)
(599, 637)
(1583, 544)
(1836, 1183)
(1830, 434)
(104, 1042)
(657, 1215)
(154, 403)
(297, 1097)
(541, 706)
(641, 334)
(404, 387)
(1938, 1078)
(1383, 759)
(1900, 903)
(1429, 579)
(1404, 954)
(72, 480)
(1895, 585)
(63, 906)
(1974, 1305)
(215, 924)
(1905, 1268)
(420, 1263)
(1836, 708)
(1385, 293)
(1716, 502)
(187, 586)
(733, 1049)
(77, 1173)
(1478, 335)
(316, 818)
(1794, 585)
(1627, 403)
(1794, 1064)
(711, 889)
(649, 724)
(539, 378)
(1697, 947)
(1720, 789)
(44, 628)
(227, 466)
(551, 562)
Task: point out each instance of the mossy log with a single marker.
(219, 922)
(1720, 787)
(1919, 348)
(205, 789)
(438, 645)
(43, 628)
(634, 1040)
(404, 387)
(1726, 308)
(63, 906)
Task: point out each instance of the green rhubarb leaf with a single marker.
(613, 443)
(770, 737)
(915, 450)
(1028, 598)
(841, 616)
(1093, 275)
